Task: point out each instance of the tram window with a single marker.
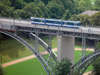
(38, 20)
(69, 23)
(31, 19)
(49, 21)
(75, 24)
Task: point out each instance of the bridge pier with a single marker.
(65, 48)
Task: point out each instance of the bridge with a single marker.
(11, 26)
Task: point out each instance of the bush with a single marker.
(2, 70)
(62, 67)
(96, 67)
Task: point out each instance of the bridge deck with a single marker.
(25, 25)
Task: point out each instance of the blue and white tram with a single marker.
(40, 21)
(55, 22)
(71, 24)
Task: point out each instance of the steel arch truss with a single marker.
(52, 57)
(33, 50)
(83, 63)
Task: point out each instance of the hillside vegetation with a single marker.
(45, 8)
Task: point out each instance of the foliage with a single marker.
(96, 19)
(96, 67)
(2, 70)
(63, 67)
(60, 9)
(76, 72)
(68, 5)
(84, 5)
(97, 5)
(67, 15)
(85, 19)
(55, 10)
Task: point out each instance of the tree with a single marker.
(5, 2)
(68, 5)
(17, 4)
(46, 1)
(63, 67)
(84, 5)
(97, 4)
(5, 10)
(2, 70)
(55, 10)
(85, 19)
(28, 1)
(67, 15)
(43, 8)
(36, 1)
(33, 10)
(75, 17)
(96, 19)
(96, 67)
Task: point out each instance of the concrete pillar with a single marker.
(65, 48)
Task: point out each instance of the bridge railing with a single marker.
(26, 23)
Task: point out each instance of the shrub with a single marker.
(96, 67)
(2, 70)
(62, 67)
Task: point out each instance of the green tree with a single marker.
(84, 5)
(85, 19)
(46, 1)
(28, 1)
(75, 17)
(43, 8)
(36, 1)
(81, 7)
(97, 4)
(96, 67)
(2, 70)
(17, 4)
(76, 5)
(5, 10)
(5, 2)
(33, 10)
(96, 19)
(55, 10)
(63, 67)
(67, 15)
(68, 5)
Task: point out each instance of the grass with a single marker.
(78, 55)
(29, 67)
(12, 49)
(33, 66)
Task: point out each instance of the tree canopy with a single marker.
(59, 9)
(62, 67)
